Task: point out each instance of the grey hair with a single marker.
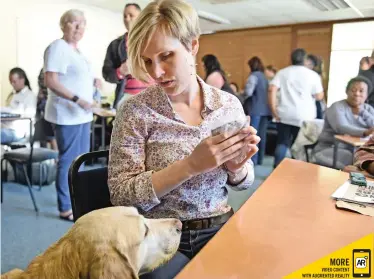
(69, 15)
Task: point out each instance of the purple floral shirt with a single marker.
(148, 136)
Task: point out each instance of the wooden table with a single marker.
(288, 223)
(355, 142)
(104, 114)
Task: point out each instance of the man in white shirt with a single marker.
(21, 101)
(299, 88)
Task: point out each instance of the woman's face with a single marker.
(74, 30)
(269, 74)
(169, 63)
(17, 82)
(357, 94)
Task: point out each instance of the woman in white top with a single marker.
(70, 85)
(21, 101)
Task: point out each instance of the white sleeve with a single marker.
(317, 88)
(276, 80)
(55, 58)
(30, 104)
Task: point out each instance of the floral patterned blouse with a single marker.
(148, 136)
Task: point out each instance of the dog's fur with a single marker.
(110, 243)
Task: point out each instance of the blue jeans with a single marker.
(8, 136)
(191, 243)
(286, 137)
(72, 141)
(260, 123)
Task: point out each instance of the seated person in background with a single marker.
(364, 157)
(163, 157)
(351, 116)
(21, 101)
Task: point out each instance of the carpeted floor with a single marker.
(25, 234)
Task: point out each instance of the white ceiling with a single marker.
(256, 13)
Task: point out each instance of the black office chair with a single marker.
(88, 188)
(25, 157)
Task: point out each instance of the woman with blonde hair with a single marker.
(163, 157)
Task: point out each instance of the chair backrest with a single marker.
(88, 188)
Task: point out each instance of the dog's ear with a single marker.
(112, 266)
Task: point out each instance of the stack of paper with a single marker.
(356, 198)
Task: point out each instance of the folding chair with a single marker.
(88, 188)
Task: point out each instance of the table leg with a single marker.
(103, 119)
(335, 157)
(93, 136)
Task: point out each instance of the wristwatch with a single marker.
(75, 98)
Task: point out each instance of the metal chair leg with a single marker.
(29, 186)
(4, 175)
(40, 177)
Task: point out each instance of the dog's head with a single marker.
(144, 243)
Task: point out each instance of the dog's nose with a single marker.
(178, 224)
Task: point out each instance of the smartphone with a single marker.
(358, 179)
(362, 263)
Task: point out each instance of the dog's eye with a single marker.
(146, 231)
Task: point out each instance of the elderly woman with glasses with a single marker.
(70, 83)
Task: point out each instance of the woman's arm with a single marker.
(337, 118)
(53, 83)
(250, 86)
(364, 156)
(131, 184)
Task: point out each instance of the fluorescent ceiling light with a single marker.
(354, 8)
(212, 18)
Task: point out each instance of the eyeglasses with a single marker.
(78, 23)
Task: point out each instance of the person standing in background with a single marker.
(115, 68)
(21, 101)
(43, 129)
(70, 84)
(365, 63)
(369, 74)
(298, 87)
(270, 72)
(316, 64)
(215, 75)
(256, 104)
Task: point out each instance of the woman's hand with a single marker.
(251, 140)
(84, 104)
(369, 132)
(214, 151)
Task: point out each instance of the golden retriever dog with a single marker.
(110, 243)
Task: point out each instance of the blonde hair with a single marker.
(174, 17)
(69, 16)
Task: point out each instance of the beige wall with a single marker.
(27, 27)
